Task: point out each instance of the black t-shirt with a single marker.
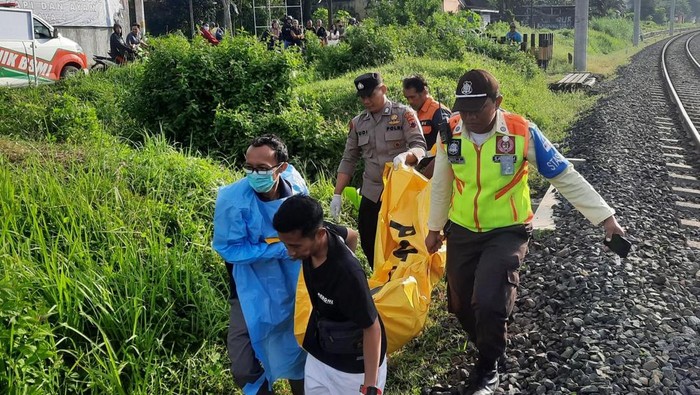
(339, 292)
(117, 47)
(297, 41)
(285, 191)
(321, 32)
(286, 34)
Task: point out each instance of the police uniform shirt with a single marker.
(339, 292)
(548, 161)
(378, 139)
(430, 115)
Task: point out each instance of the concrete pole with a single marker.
(140, 15)
(672, 18)
(637, 14)
(580, 34)
(330, 14)
(228, 26)
(192, 19)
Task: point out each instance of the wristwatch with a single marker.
(370, 390)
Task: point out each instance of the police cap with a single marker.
(473, 89)
(366, 83)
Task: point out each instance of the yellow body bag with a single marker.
(405, 273)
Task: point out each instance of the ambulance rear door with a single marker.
(16, 46)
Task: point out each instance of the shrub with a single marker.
(24, 112)
(70, 120)
(368, 45)
(39, 114)
(314, 144)
(185, 83)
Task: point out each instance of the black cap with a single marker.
(366, 83)
(473, 89)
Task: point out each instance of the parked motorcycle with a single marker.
(102, 63)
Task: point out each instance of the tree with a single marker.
(403, 12)
(602, 7)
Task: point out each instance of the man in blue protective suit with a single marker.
(261, 343)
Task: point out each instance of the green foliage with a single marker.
(119, 243)
(313, 143)
(368, 45)
(70, 120)
(328, 61)
(320, 13)
(28, 358)
(184, 84)
(113, 95)
(443, 36)
(40, 114)
(622, 29)
(343, 16)
(403, 12)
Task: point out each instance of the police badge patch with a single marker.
(505, 145)
(411, 119)
(454, 152)
(454, 148)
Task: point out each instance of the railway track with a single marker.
(681, 140)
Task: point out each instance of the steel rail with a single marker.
(687, 123)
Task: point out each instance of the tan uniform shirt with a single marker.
(378, 139)
(569, 182)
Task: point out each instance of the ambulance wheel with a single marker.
(69, 71)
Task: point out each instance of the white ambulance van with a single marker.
(32, 51)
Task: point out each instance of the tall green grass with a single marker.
(530, 97)
(108, 278)
(108, 283)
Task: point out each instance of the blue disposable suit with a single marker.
(265, 276)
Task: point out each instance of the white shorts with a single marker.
(321, 379)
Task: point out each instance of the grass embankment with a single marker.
(108, 283)
(609, 44)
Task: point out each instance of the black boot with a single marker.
(484, 379)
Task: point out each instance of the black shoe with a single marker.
(502, 364)
(485, 381)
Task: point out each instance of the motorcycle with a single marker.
(102, 63)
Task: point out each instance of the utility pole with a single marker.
(192, 19)
(228, 26)
(673, 15)
(580, 34)
(637, 14)
(330, 14)
(140, 15)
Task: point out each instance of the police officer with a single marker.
(480, 185)
(430, 115)
(384, 132)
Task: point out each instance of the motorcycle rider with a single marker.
(118, 50)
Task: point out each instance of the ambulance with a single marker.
(33, 52)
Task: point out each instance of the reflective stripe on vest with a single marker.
(482, 198)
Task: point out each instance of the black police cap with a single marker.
(366, 83)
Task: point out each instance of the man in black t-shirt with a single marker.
(345, 337)
(286, 35)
